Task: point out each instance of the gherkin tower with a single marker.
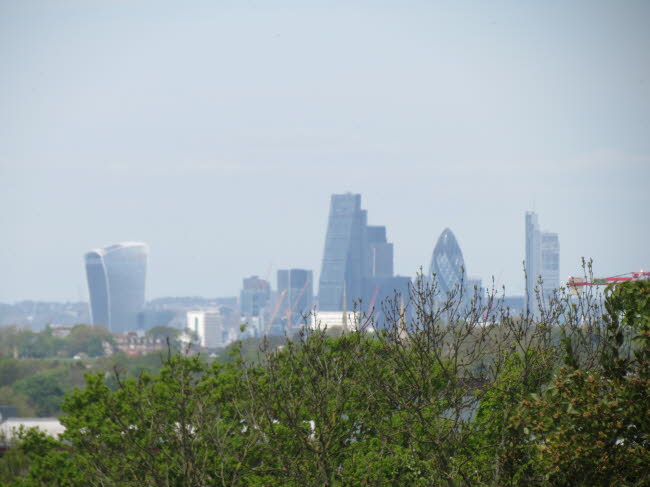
(447, 265)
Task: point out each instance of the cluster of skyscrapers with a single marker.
(357, 273)
(357, 261)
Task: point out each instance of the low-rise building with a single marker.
(9, 428)
(134, 344)
(346, 320)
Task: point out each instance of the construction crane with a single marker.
(576, 282)
(371, 307)
(278, 303)
(295, 303)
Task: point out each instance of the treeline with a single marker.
(92, 341)
(445, 394)
(36, 387)
(36, 383)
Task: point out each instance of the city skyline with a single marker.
(549, 273)
(216, 133)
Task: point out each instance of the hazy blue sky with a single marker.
(216, 131)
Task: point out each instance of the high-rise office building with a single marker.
(357, 261)
(344, 259)
(380, 252)
(448, 269)
(542, 262)
(550, 249)
(254, 295)
(447, 264)
(116, 284)
(378, 290)
(297, 284)
(533, 262)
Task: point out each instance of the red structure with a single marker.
(576, 282)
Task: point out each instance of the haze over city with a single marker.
(216, 133)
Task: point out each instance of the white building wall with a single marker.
(212, 330)
(208, 327)
(335, 319)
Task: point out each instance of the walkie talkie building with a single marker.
(116, 284)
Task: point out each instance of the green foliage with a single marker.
(36, 387)
(172, 428)
(89, 340)
(590, 430)
(449, 402)
(37, 345)
(249, 349)
(166, 334)
(44, 461)
(44, 390)
(592, 427)
(496, 442)
(22, 403)
(14, 464)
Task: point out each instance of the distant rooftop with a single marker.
(50, 426)
(118, 246)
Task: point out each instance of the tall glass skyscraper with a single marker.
(116, 283)
(542, 261)
(447, 264)
(357, 261)
(533, 259)
(380, 252)
(550, 249)
(344, 260)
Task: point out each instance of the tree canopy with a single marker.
(442, 394)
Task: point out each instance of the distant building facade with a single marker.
(60, 331)
(447, 264)
(297, 284)
(254, 295)
(135, 344)
(344, 320)
(344, 262)
(516, 305)
(116, 285)
(208, 326)
(449, 272)
(357, 270)
(550, 263)
(380, 252)
(542, 262)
